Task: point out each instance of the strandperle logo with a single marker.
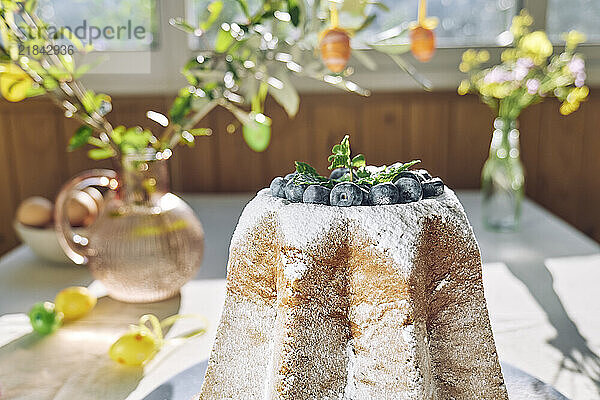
(88, 33)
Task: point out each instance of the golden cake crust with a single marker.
(382, 302)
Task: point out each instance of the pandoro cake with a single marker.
(354, 303)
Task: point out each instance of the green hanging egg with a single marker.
(257, 132)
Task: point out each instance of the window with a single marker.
(461, 22)
(197, 10)
(109, 25)
(580, 15)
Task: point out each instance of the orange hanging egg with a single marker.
(422, 43)
(335, 49)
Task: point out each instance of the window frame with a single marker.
(173, 51)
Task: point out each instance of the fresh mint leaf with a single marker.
(359, 161)
(338, 161)
(305, 169)
(391, 173)
(341, 158)
(307, 175)
(363, 173)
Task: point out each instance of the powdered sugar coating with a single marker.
(355, 303)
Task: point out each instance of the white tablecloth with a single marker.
(541, 286)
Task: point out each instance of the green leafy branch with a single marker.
(341, 157)
(56, 76)
(257, 53)
(358, 170)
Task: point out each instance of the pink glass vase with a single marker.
(146, 242)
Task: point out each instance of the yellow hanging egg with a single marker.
(74, 302)
(335, 49)
(134, 348)
(422, 43)
(14, 82)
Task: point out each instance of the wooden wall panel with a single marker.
(37, 151)
(8, 198)
(384, 127)
(468, 142)
(330, 121)
(239, 168)
(560, 161)
(289, 140)
(428, 132)
(194, 169)
(448, 132)
(530, 125)
(586, 184)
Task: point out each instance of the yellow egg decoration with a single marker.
(74, 302)
(14, 82)
(422, 37)
(134, 348)
(335, 49)
(140, 344)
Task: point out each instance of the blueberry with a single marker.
(432, 188)
(384, 193)
(365, 189)
(424, 173)
(277, 185)
(316, 194)
(290, 176)
(293, 191)
(411, 174)
(410, 190)
(338, 173)
(346, 194)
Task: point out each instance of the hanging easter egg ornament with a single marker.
(335, 49)
(141, 343)
(74, 302)
(257, 132)
(44, 318)
(335, 45)
(422, 38)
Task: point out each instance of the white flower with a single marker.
(522, 67)
(533, 85)
(576, 66)
(497, 75)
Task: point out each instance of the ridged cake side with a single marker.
(380, 302)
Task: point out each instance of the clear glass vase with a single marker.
(146, 242)
(503, 179)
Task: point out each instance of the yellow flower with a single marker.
(509, 55)
(14, 82)
(464, 67)
(463, 88)
(483, 56)
(520, 24)
(537, 45)
(486, 89)
(567, 108)
(578, 94)
(469, 56)
(573, 39)
(523, 19)
(501, 90)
